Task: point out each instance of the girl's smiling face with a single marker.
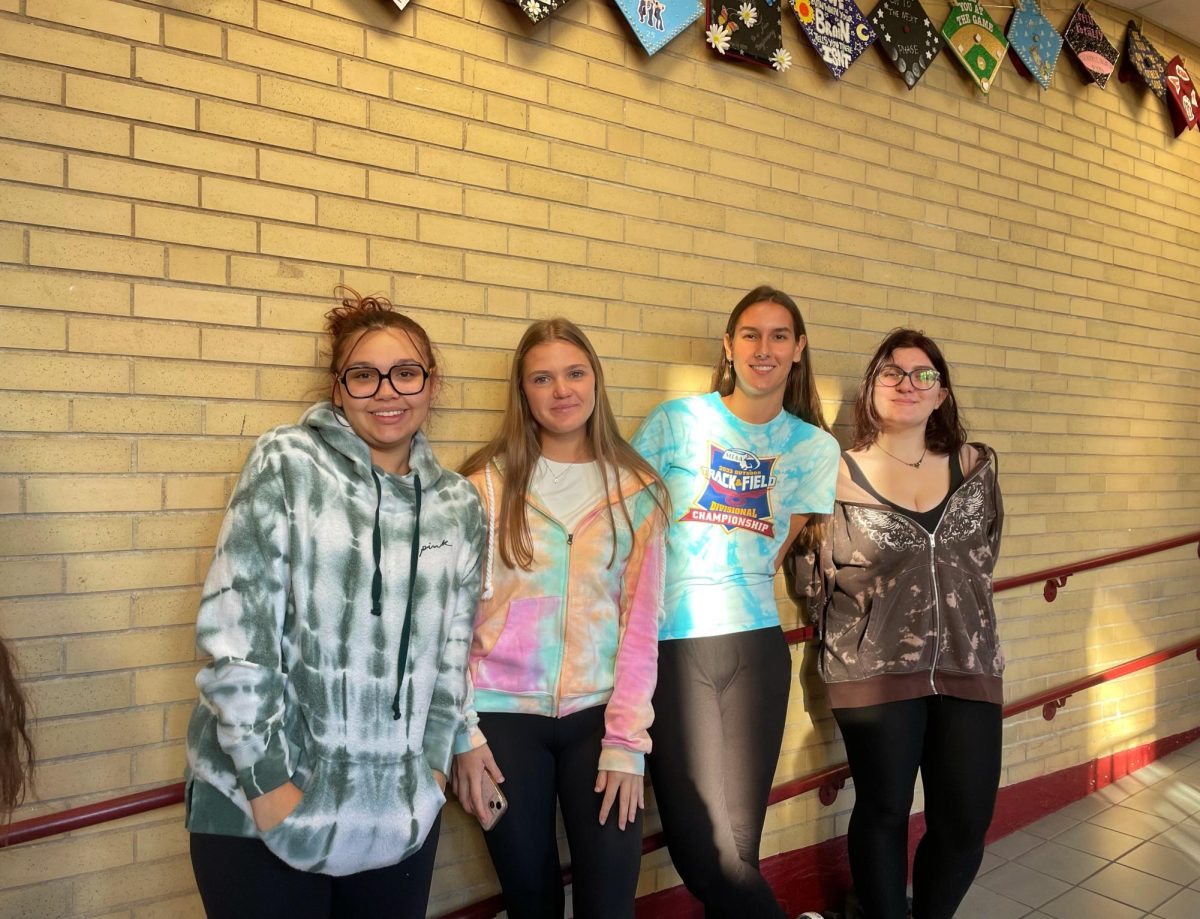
(560, 389)
(387, 420)
(763, 348)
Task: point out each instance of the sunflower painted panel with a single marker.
(1034, 41)
(836, 29)
(750, 30)
(1144, 60)
(907, 37)
(1091, 47)
(1185, 105)
(537, 10)
(656, 22)
(976, 40)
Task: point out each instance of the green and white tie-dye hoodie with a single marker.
(338, 614)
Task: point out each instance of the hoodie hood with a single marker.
(331, 426)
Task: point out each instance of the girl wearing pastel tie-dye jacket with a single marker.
(564, 655)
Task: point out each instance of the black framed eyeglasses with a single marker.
(920, 377)
(364, 382)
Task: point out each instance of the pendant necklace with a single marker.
(916, 465)
(557, 479)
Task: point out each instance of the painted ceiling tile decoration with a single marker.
(836, 29)
(749, 30)
(537, 10)
(1143, 59)
(907, 37)
(1185, 105)
(1091, 47)
(976, 40)
(1034, 42)
(656, 22)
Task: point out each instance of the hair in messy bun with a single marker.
(357, 316)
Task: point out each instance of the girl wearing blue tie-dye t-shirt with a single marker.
(747, 466)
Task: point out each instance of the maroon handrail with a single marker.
(827, 782)
(1053, 699)
(1057, 577)
(90, 814)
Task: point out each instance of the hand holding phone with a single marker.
(494, 804)
(475, 781)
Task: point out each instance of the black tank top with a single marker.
(927, 520)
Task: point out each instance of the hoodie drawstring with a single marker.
(377, 548)
(491, 533)
(402, 655)
(377, 580)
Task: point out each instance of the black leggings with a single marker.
(956, 744)
(719, 712)
(543, 759)
(240, 877)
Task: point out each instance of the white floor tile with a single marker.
(1164, 862)
(1184, 905)
(1131, 822)
(981, 903)
(1098, 840)
(1134, 888)
(1062, 862)
(1023, 884)
(1085, 904)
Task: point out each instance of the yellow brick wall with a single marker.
(182, 184)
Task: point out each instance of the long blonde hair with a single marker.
(516, 445)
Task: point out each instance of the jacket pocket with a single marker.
(526, 655)
(357, 816)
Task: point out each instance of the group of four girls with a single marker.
(572, 602)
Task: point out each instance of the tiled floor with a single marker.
(1129, 851)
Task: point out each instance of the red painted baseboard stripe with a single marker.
(816, 877)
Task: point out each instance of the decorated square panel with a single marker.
(657, 22)
(537, 10)
(907, 37)
(976, 40)
(1185, 105)
(1143, 59)
(1091, 47)
(1034, 41)
(836, 29)
(749, 30)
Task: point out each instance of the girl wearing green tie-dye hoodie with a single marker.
(337, 616)
(564, 655)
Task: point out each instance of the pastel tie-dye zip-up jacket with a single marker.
(313, 675)
(574, 632)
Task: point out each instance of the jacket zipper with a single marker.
(937, 603)
(566, 591)
(937, 600)
(562, 637)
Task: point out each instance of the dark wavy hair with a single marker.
(16, 746)
(944, 432)
(356, 316)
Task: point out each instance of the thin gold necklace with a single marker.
(916, 465)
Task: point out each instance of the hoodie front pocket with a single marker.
(357, 816)
(527, 653)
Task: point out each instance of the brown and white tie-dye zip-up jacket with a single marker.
(903, 612)
(337, 618)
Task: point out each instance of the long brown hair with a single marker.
(516, 445)
(16, 746)
(800, 398)
(944, 432)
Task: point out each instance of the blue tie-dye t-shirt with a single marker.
(734, 487)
